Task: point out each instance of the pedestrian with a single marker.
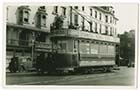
(12, 64)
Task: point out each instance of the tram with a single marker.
(84, 52)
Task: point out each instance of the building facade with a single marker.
(29, 28)
(127, 48)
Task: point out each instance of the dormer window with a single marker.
(43, 23)
(23, 15)
(26, 16)
(44, 17)
(40, 20)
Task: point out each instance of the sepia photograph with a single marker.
(70, 45)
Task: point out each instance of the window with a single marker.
(84, 48)
(115, 31)
(43, 22)
(111, 50)
(76, 19)
(96, 27)
(106, 30)
(100, 30)
(76, 7)
(62, 48)
(115, 22)
(103, 49)
(95, 14)
(94, 48)
(26, 16)
(56, 9)
(100, 16)
(91, 27)
(75, 46)
(110, 31)
(110, 19)
(63, 11)
(106, 18)
(90, 11)
(83, 8)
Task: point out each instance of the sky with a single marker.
(128, 16)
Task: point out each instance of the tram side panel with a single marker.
(95, 54)
(64, 60)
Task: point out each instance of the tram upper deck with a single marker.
(84, 35)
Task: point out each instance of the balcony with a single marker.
(44, 45)
(25, 43)
(22, 43)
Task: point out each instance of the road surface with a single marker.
(122, 77)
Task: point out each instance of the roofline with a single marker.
(108, 12)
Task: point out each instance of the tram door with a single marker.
(76, 50)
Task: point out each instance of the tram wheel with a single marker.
(109, 69)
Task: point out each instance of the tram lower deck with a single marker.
(71, 55)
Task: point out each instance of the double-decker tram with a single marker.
(82, 51)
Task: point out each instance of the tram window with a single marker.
(70, 46)
(75, 46)
(94, 48)
(103, 49)
(84, 48)
(111, 50)
(62, 46)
